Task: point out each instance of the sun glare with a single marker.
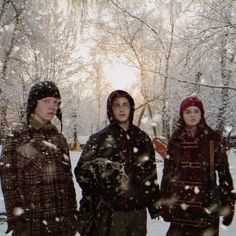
(120, 76)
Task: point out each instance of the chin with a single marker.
(192, 125)
(123, 121)
(49, 118)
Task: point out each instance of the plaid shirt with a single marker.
(37, 181)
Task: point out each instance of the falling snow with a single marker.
(154, 227)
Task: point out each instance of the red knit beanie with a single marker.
(191, 101)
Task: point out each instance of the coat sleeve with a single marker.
(167, 183)
(150, 178)
(12, 180)
(95, 172)
(168, 172)
(222, 167)
(85, 171)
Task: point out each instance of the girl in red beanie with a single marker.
(195, 154)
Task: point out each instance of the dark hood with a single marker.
(110, 99)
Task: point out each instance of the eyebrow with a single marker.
(120, 102)
(194, 109)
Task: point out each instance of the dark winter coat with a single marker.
(113, 152)
(186, 184)
(37, 181)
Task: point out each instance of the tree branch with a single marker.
(140, 20)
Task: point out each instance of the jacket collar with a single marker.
(35, 123)
(203, 132)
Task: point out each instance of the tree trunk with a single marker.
(226, 75)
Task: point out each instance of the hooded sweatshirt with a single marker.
(132, 150)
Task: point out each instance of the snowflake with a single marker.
(17, 211)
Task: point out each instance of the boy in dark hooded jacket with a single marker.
(117, 174)
(196, 154)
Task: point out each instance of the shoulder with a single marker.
(101, 133)
(219, 141)
(15, 135)
(139, 133)
(97, 137)
(211, 133)
(136, 129)
(18, 130)
(176, 135)
(174, 141)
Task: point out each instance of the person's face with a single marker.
(46, 108)
(121, 110)
(192, 116)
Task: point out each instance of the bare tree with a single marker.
(212, 43)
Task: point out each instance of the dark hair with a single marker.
(111, 98)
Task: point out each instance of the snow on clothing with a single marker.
(186, 181)
(107, 155)
(37, 181)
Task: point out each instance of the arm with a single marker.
(168, 172)
(222, 167)
(167, 183)
(150, 178)
(12, 180)
(84, 172)
(225, 182)
(95, 172)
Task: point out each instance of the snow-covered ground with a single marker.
(155, 227)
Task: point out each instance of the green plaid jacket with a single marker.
(37, 181)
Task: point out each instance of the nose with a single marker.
(53, 106)
(122, 108)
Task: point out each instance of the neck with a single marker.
(192, 130)
(124, 125)
(39, 119)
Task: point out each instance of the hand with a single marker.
(155, 212)
(228, 213)
(123, 181)
(78, 220)
(166, 215)
(227, 220)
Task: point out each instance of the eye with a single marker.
(46, 101)
(187, 112)
(116, 105)
(126, 105)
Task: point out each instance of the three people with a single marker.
(117, 174)
(36, 172)
(196, 154)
